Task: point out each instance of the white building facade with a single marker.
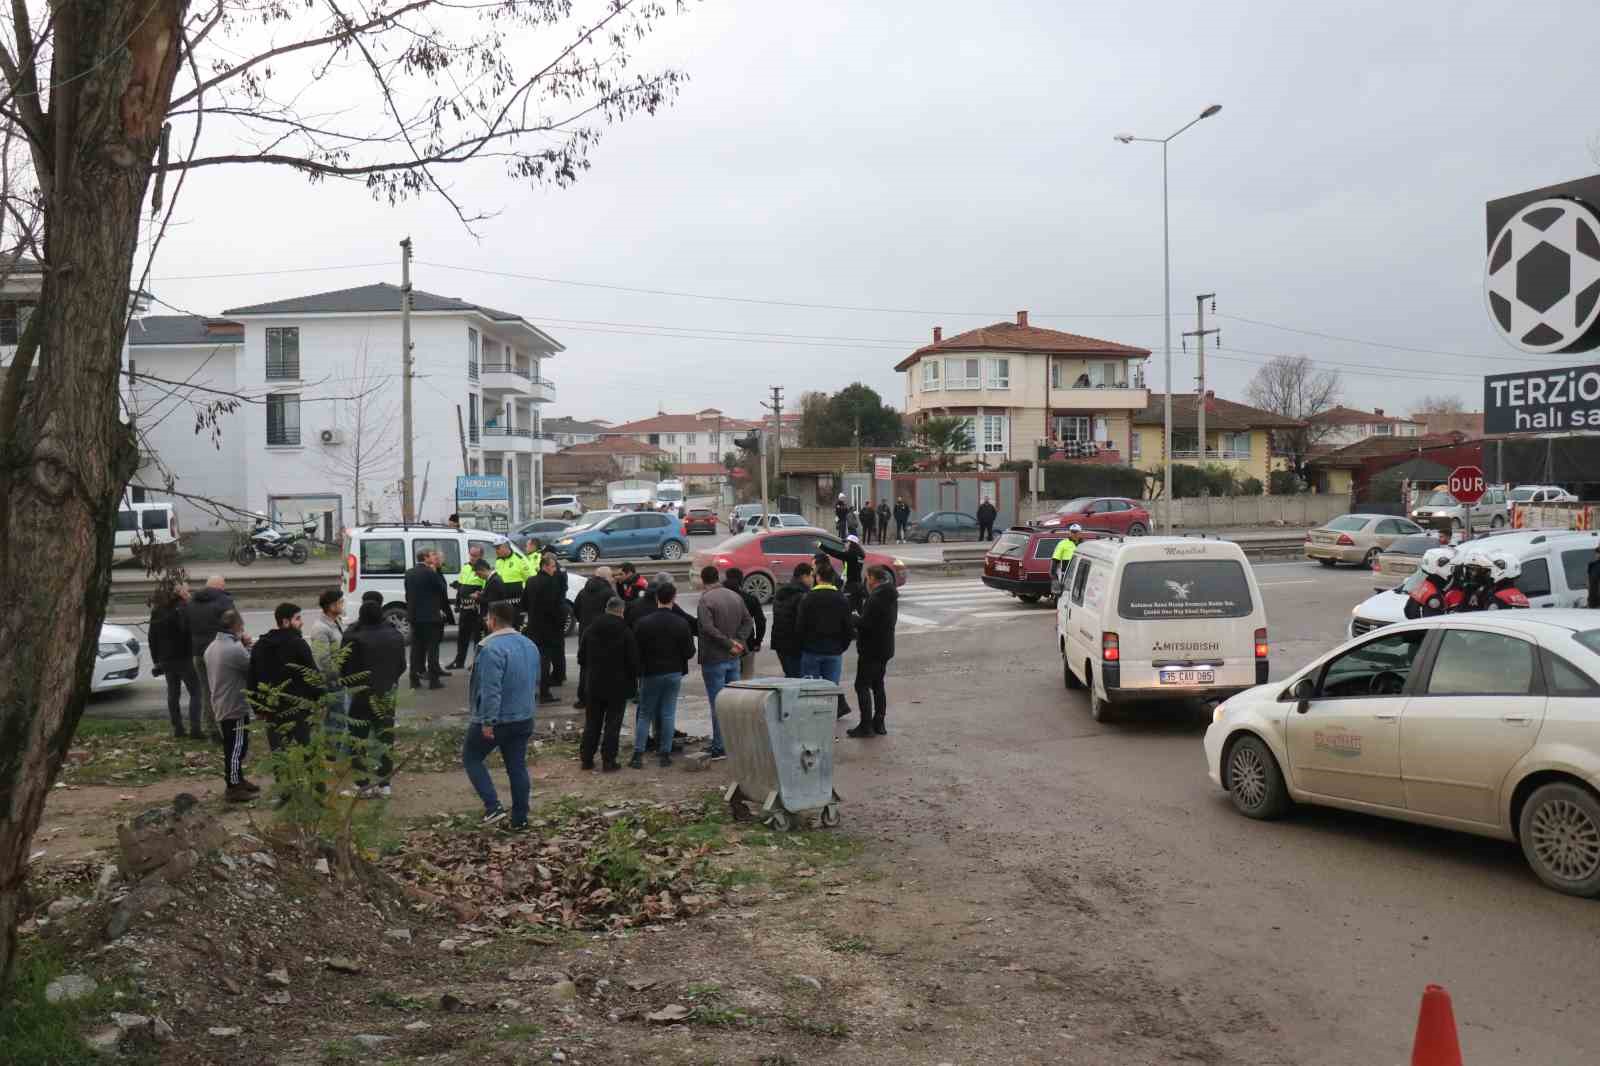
(318, 436)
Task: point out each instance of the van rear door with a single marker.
(1187, 622)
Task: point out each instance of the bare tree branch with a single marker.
(1291, 386)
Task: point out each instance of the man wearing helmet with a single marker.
(1427, 599)
(1066, 548)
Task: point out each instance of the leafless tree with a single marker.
(1292, 386)
(1441, 404)
(370, 421)
(115, 102)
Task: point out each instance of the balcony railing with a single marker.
(507, 431)
(1211, 455)
(1072, 449)
(507, 368)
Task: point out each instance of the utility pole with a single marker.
(1200, 334)
(776, 407)
(761, 457)
(461, 434)
(408, 512)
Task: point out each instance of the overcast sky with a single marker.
(943, 163)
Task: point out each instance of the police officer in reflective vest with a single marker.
(1066, 548)
(510, 568)
(469, 612)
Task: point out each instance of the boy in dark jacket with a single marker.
(747, 662)
(883, 521)
(170, 652)
(666, 644)
(874, 648)
(373, 668)
(902, 518)
(588, 606)
(612, 655)
(825, 626)
(284, 680)
(785, 628)
(545, 604)
(204, 613)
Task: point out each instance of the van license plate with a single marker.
(1188, 677)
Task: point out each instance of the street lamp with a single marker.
(1166, 291)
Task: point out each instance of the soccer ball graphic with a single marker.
(1543, 278)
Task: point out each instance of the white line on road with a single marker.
(1013, 614)
(915, 620)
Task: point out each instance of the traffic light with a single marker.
(751, 443)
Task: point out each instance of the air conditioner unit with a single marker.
(332, 436)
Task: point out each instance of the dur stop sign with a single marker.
(1466, 484)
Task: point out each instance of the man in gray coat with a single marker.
(725, 630)
(228, 673)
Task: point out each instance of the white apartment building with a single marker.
(1342, 426)
(319, 433)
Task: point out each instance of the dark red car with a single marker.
(699, 520)
(1018, 561)
(768, 559)
(1108, 514)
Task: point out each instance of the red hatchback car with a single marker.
(699, 520)
(1109, 514)
(768, 559)
(1018, 562)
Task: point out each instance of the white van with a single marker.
(1160, 618)
(378, 556)
(142, 524)
(564, 506)
(1555, 573)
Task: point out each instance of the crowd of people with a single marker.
(870, 523)
(635, 645)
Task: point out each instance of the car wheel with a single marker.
(588, 553)
(1068, 678)
(396, 616)
(567, 516)
(935, 538)
(1100, 709)
(1560, 832)
(1371, 559)
(1255, 784)
(1029, 598)
(672, 550)
(1497, 521)
(1326, 562)
(1136, 530)
(759, 586)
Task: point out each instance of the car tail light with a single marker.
(723, 562)
(1344, 541)
(1110, 651)
(1261, 643)
(1308, 536)
(350, 573)
(172, 526)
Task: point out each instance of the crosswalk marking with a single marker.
(915, 620)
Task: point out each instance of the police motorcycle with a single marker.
(268, 541)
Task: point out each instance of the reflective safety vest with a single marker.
(510, 569)
(468, 578)
(1066, 548)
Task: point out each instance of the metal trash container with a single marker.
(779, 735)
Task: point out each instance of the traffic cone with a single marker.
(1436, 1043)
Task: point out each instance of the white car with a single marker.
(1555, 565)
(1480, 722)
(116, 659)
(1540, 494)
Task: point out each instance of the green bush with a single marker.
(1251, 486)
(1063, 481)
(1285, 483)
(1189, 482)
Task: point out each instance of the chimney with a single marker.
(1211, 394)
(938, 334)
(1022, 318)
(1378, 411)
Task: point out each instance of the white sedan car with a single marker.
(116, 660)
(1479, 722)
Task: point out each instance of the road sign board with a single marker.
(1466, 484)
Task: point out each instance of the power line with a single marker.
(1380, 344)
(267, 273)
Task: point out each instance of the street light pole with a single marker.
(1166, 305)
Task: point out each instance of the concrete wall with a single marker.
(206, 464)
(1219, 511)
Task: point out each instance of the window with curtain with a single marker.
(283, 353)
(1071, 427)
(998, 372)
(930, 375)
(996, 437)
(283, 418)
(963, 374)
(1236, 443)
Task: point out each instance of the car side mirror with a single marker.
(1302, 692)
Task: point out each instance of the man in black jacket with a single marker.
(169, 652)
(372, 671)
(666, 644)
(204, 613)
(986, 516)
(588, 606)
(854, 558)
(284, 681)
(841, 516)
(874, 648)
(546, 608)
(785, 629)
(883, 521)
(902, 516)
(427, 610)
(734, 579)
(825, 625)
(612, 653)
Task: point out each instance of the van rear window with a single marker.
(1195, 588)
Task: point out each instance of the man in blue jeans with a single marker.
(500, 713)
(725, 627)
(666, 644)
(825, 627)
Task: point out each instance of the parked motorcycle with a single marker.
(267, 540)
(1486, 582)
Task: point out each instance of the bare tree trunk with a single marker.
(65, 454)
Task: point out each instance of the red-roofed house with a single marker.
(703, 437)
(629, 455)
(1344, 425)
(1024, 387)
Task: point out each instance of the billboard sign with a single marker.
(1542, 272)
(883, 468)
(1560, 400)
(484, 502)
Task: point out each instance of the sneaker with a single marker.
(716, 756)
(637, 762)
(665, 760)
(349, 793)
(862, 730)
(385, 791)
(367, 792)
(513, 827)
(495, 816)
(250, 786)
(609, 766)
(586, 764)
(545, 701)
(879, 728)
(238, 794)
(435, 685)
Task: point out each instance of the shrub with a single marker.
(1285, 483)
(1250, 486)
(1063, 481)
